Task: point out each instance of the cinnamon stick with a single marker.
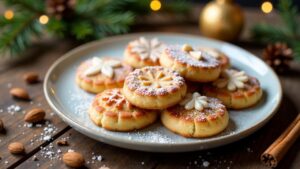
(278, 149)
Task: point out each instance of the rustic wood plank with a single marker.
(112, 157)
(13, 121)
(242, 154)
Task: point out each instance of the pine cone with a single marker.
(60, 8)
(278, 56)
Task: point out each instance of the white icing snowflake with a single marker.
(102, 66)
(194, 100)
(232, 79)
(147, 48)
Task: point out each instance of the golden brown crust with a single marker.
(99, 82)
(238, 99)
(112, 111)
(194, 123)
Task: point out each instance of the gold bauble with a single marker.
(221, 19)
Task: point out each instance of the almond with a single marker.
(35, 115)
(31, 77)
(1, 126)
(16, 148)
(19, 93)
(73, 159)
(62, 142)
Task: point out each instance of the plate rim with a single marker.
(84, 130)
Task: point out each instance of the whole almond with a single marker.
(35, 115)
(73, 159)
(31, 77)
(19, 93)
(16, 148)
(1, 126)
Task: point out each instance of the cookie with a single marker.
(112, 111)
(143, 52)
(236, 89)
(194, 65)
(222, 57)
(97, 74)
(196, 116)
(154, 87)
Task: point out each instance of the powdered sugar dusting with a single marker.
(207, 61)
(152, 137)
(154, 81)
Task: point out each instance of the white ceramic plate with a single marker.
(71, 103)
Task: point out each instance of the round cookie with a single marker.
(154, 87)
(193, 65)
(236, 89)
(196, 116)
(143, 52)
(112, 111)
(222, 57)
(97, 74)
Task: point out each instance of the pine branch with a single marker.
(296, 48)
(288, 13)
(180, 6)
(288, 33)
(32, 6)
(265, 33)
(17, 36)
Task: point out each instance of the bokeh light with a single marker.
(9, 14)
(44, 19)
(267, 7)
(155, 5)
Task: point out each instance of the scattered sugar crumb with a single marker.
(12, 109)
(205, 163)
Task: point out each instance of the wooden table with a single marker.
(43, 153)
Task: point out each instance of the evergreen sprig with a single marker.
(88, 20)
(288, 33)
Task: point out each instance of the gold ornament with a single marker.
(221, 19)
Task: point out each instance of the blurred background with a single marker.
(26, 22)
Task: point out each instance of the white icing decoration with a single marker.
(193, 53)
(212, 52)
(196, 54)
(102, 66)
(232, 79)
(194, 100)
(147, 48)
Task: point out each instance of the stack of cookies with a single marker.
(188, 87)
